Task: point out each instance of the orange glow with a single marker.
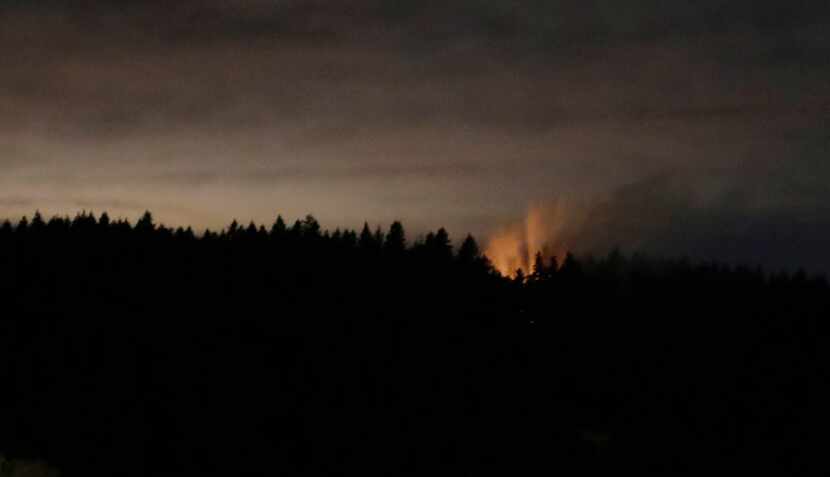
(516, 246)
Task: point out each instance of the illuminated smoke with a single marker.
(541, 231)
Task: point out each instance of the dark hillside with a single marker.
(140, 350)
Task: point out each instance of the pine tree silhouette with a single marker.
(278, 230)
(395, 243)
(469, 251)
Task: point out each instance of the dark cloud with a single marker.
(526, 21)
(663, 215)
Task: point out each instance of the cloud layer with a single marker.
(458, 114)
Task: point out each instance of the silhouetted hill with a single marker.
(141, 350)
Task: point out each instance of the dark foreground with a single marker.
(145, 351)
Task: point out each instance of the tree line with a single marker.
(138, 349)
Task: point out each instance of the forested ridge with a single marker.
(136, 349)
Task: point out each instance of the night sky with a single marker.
(696, 128)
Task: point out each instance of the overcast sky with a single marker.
(678, 127)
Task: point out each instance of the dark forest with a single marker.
(139, 350)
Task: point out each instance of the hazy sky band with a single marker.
(459, 114)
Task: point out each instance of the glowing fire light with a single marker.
(515, 247)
